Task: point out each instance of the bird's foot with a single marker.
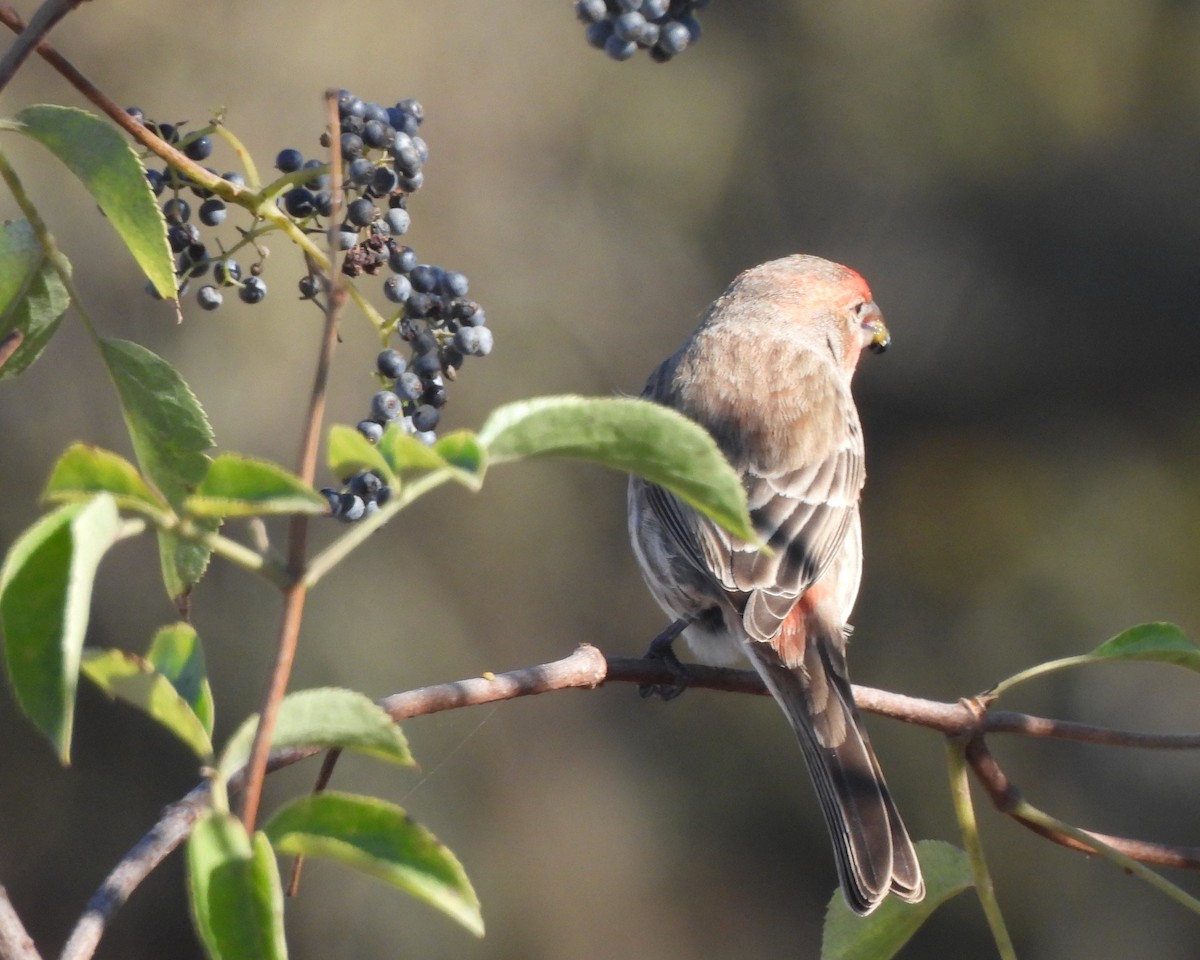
(662, 648)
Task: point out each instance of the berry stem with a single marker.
(243, 155)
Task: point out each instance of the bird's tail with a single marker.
(874, 853)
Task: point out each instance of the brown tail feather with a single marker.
(874, 853)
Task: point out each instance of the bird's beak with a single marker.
(878, 337)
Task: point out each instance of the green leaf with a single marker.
(324, 717)
(379, 839)
(1153, 642)
(636, 436)
(45, 601)
(176, 653)
(134, 680)
(462, 450)
(236, 896)
(170, 434)
(881, 934)
(83, 471)
(405, 452)
(32, 297)
(104, 162)
(350, 452)
(237, 486)
(1158, 642)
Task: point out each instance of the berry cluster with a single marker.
(193, 257)
(433, 317)
(623, 27)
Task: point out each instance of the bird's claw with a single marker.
(662, 648)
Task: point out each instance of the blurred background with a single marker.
(1018, 183)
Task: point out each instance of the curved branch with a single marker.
(15, 942)
(587, 668)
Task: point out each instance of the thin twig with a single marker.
(173, 827)
(42, 22)
(587, 668)
(296, 592)
(15, 942)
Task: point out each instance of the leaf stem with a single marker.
(964, 811)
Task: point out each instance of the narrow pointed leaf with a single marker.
(237, 486)
(33, 299)
(881, 934)
(350, 452)
(106, 165)
(134, 680)
(636, 436)
(379, 839)
(324, 717)
(45, 601)
(170, 433)
(83, 471)
(236, 896)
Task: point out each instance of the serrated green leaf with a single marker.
(45, 601)
(880, 935)
(170, 434)
(324, 717)
(33, 299)
(1158, 642)
(134, 680)
(379, 839)
(83, 471)
(237, 486)
(635, 436)
(351, 452)
(235, 893)
(112, 173)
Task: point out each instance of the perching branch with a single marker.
(587, 668)
(15, 943)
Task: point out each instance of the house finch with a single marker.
(767, 372)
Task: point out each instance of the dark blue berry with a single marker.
(360, 170)
(454, 284)
(376, 135)
(234, 177)
(345, 238)
(397, 288)
(591, 11)
(299, 202)
(629, 26)
(350, 106)
(209, 297)
(332, 497)
(324, 203)
(619, 49)
(371, 430)
(361, 212)
(434, 395)
(212, 212)
(309, 287)
(137, 113)
(385, 406)
(177, 210)
(193, 262)
(253, 290)
(227, 272)
(352, 145)
(598, 33)
(365, 485)
(398, 221)
(350, 508)
(383, 181)
(418, 305)
(200, 148)
(673, 38)
(426, 418)
(409, 386)
(402, 259)
(289, 160)
(412, 184)
(321, 180)
(156, 181)
(390, 363)
(424, 278)
(374, 112)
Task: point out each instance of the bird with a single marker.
(767, 372)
